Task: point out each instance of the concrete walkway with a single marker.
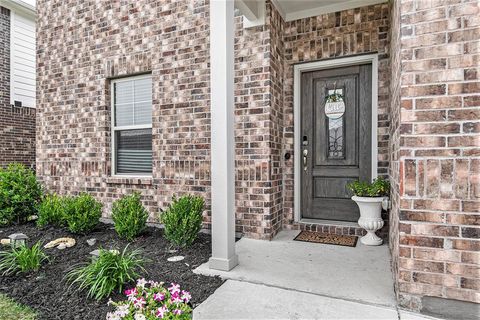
(286, 279)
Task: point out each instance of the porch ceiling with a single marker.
(299, 9)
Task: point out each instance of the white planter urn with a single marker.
(370, 218)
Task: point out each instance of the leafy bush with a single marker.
(20, 193)
(378, 188)
(22, 259)
(183, 219)
(53, 210)
(129, 216)
(153, 301)
(107, 273)
(82, 213)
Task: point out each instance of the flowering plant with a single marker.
(150, 300)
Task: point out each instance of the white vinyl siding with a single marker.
(22, 60)
(132, 126)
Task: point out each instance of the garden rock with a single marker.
(5, 242)
(176, 258)
(61, 246)
(65, 242)
(91, 242)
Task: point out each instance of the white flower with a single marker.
(112, 316)
(139, 316)
(141, 283)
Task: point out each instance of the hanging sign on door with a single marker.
(334, 106)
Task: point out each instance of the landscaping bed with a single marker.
(47, 292)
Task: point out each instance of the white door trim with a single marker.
(328, 64)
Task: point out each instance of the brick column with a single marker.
(436, 149)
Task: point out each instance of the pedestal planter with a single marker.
(370, 218)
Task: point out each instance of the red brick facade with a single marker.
(17, 124)
(435, 143)
(428, 111)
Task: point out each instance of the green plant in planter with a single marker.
(107, 273)
(22, 260)
(53, 210)
(20, 194)
(182, 220)
(129, 216)
(378, 188)
(82, 213)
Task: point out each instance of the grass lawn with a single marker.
(10, 310)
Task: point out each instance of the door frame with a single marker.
(297, 89)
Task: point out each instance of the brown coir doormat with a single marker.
(325, 238)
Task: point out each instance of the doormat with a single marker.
(326, 238)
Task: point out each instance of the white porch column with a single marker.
(222, 135)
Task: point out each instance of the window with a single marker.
(132, 126)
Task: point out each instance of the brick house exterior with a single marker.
(428, 118)
(17, 124)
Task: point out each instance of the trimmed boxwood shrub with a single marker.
(53, 210)
(20, 194)
(183, 219)
(83, 214)
(129, 216)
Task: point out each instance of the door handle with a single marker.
(305, 154)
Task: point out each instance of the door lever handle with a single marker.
(305, 154)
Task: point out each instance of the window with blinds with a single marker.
(132, 126)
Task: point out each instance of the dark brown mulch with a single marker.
(47, 292)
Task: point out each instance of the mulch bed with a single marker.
(47, 292)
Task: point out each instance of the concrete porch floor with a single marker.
(286, 279)
(360, 274)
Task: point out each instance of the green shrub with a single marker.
(129, 216)
(107, 273)
(378, 188)
(82, 213)
(183, 220)
(23, 259)
(53, 210)
(20, 194)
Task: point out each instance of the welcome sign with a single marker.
(334, 110)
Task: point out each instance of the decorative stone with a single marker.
(61, 246)
(91, 242)
(68, 242)
(5, 242)
(95, 253)
(32, 217)
(176, 258)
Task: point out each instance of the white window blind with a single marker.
(132, 125)
(22, 60)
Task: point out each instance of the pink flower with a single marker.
(177, 311)
(174, 288)
(139, 303)
(186, 296)
(161, 312)
(176, 298)
(131, 292)
(158, 296)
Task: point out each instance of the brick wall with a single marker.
(357, 31)
(17, 125)
(168, 39)
(259, 126)
(394, 142)
(438, 151)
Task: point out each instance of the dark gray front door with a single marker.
(337, 151)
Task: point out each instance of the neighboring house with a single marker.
(140, 95)
(17, 82)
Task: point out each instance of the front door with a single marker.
(336, 147)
